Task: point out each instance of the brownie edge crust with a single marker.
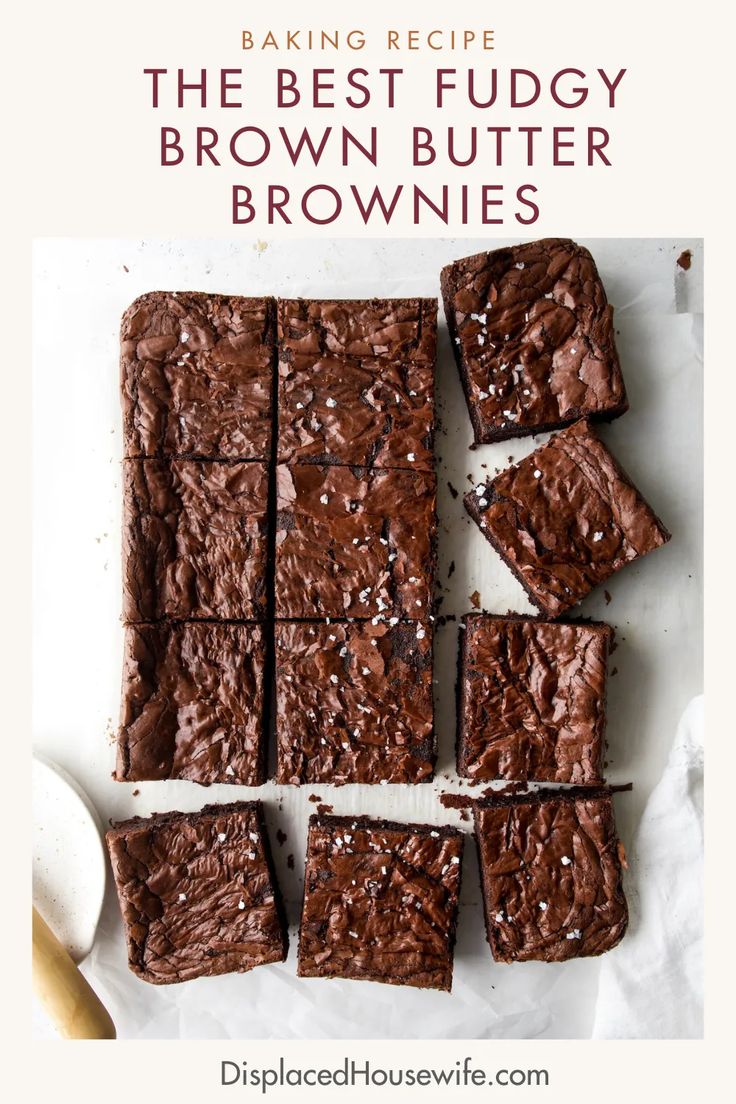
(198, 893)
(380, 901)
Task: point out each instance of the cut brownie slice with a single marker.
(565, 518)
(196, 375)
(354, 702)
(532, 700)
(198, 893)
(356, 382)
(533, 337)
(192, 704)
(380, 901)
(551, 874)
(194, 540)
(354, 543)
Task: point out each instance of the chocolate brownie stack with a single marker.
(355, 541)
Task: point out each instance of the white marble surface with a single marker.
(80, 290)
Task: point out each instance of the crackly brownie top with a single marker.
(354, 702)
(386, 329)
(354, 543)
(194, 539)
(380, 901)
(196, 375)
(196, 892)
(356, 382)
(551, 875)
(192, 703)
(532, 699)
(565, 518)
(535, 335)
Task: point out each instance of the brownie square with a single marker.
(565, 518)
(551, 875)
(198, 893)
(197, 376)
(354, 543)
(532, 700)
(194, 539)
(356, 382)
(192, 703)
(532, 333)
(354, 702)
(380, 901)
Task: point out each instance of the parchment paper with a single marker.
(80, 289)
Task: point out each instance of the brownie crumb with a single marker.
(290, 861)
(453, 490)
(451, 570)
(607, 596)
(136, 793)
(281, 837)
(314, 798)
(685, 259)
(322, 809)
(614, 671)
(474, 599)
(126, 269)
(456, 801)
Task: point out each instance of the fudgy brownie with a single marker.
(532, 699)
(192, 703)
(194, 539)
(353, 542)
(198, 893)
(565, 518)
(196, 375)
(354, 702)
(532, 333)
(356, 382)
(380, 901)
(551, 875)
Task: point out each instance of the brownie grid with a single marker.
(219, 529)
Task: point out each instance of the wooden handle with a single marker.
(67, 996)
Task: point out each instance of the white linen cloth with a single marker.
(652, 986)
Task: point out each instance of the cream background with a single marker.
(65, 140)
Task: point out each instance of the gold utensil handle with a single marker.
(67, 996)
